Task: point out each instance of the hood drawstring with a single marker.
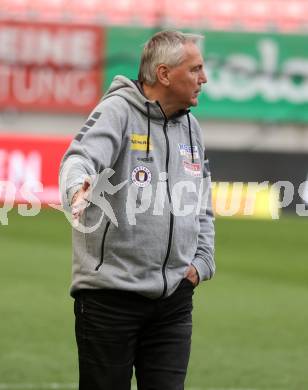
(190, 139)
(149, 131)
(149, 128)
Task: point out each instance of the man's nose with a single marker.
(203, 78)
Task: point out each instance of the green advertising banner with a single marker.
(251, 76)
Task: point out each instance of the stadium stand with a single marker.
(257, 15)
(119, 12)
(85, 11)
(222, 15)
(189, 14)
(292, 16)
(149, 13)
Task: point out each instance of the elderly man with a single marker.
(136, 181)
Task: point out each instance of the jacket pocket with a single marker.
(103, 246)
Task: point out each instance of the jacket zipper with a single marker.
(171, 215)
(103, 245)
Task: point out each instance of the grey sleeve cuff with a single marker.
(203, 268)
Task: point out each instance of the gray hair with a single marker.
(165, 47)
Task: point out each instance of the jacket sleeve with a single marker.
(204, 258)
(95, 147)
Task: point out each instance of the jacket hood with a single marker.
(128, 89)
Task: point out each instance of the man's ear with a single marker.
(162, 73)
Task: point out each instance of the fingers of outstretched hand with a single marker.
(80, 201)
(77, 209)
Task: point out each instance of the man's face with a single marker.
(187, 78)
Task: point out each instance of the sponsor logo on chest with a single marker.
(139, 142)
(192, 169)
(187, 152)
(141, 176)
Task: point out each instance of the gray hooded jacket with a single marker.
(149, 214)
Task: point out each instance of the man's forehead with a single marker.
(191, 52)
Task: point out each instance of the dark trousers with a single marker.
(118, 330)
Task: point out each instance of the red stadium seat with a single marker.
(47, 10)
(292, 15)
(15, 7)
(221, 15)
(119, 12)
(256, 15)
(86, 11)
(148, 13)
(186, 13)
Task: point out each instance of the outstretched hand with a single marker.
(80, 202)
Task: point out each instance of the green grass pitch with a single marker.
(250, 322)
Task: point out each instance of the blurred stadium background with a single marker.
(57, 57)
